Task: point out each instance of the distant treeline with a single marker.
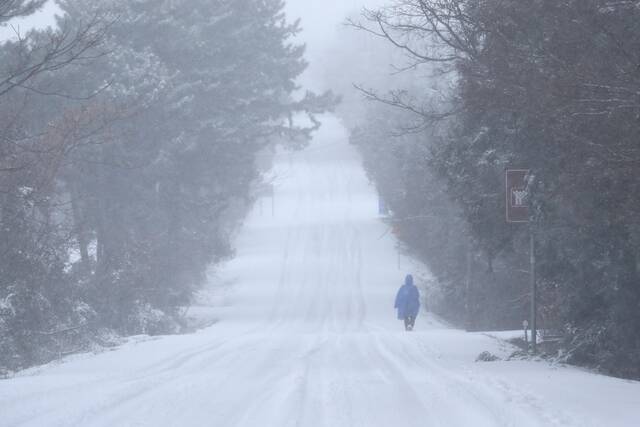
(128, 143)
(547, 85)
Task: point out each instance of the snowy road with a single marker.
(307, 337)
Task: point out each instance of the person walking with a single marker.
(408, 303)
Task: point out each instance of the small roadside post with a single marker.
(525, 326)
(517, 211)
(271, 192)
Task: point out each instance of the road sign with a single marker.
(517, 197)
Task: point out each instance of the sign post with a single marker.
(467, 302)
(517, 210)
(534, 293)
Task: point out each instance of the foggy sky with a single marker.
(320, 21)
(40, 19)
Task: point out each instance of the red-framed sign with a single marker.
(517, 197)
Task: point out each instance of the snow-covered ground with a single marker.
(307, 337)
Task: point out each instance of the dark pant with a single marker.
(409, 322)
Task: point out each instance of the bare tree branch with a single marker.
(57, 50)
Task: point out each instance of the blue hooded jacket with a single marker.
(408, 299)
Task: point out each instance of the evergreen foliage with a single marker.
(550, 86)
(127, 160)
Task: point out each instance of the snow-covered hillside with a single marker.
(307, 336)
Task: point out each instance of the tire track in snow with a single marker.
(253, 361)
(119, 394)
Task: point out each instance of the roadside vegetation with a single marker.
(482, 87)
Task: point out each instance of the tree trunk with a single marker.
(79, 227)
